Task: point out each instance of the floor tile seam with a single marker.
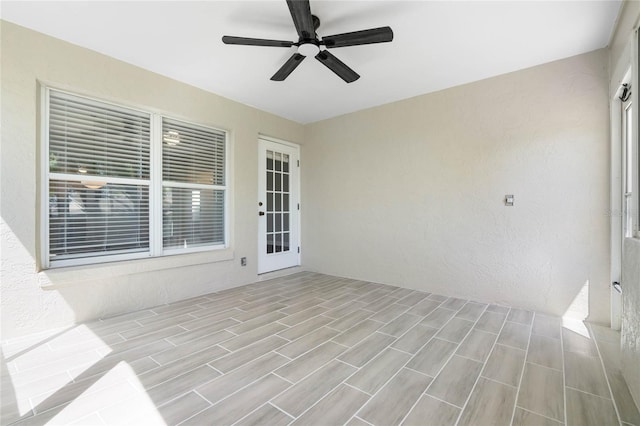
(196, 413)
(358, 389)
(469, 358)
(546, 337)
(283, 378)
(451, 341)
(272, 400)
(355, 416)
(182, 373)
(195, 389)
(524, 366)
(564, 380)
(343, 382)
(510, 346)
(335, 358)
(538, 414)
(441, 400)
(279, 409)
(147, 333)
(424, 392)
(382, 350)
(188, 355)
(400, 350)
(250, 344)
(30, 398)
(537, 364)
(298, 323)
(18, 370)
(350, 365)
(251, 360)
(101, 418)
(298, 339)
(604, 371)
(486, 331)
(591, 394)
(12, 376)
(520, 323)
(375, 331)
(80, 397)
(356, 324)
(484, 364)
(453, 353)
(398, 372)
(219, 371)
(418, 372)
(499, 382)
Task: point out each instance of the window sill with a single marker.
(74, 275)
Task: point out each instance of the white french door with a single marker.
(278, 205)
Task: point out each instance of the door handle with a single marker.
(260, 213)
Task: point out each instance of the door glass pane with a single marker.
(269, 201)
(285, 163)
(278, 206)
(285, 241)
(269, 243)
(278, 161)
(278, 181)
(285, 202)
(278, 224)
(285, 183)
(269, 181)
(269, 160)
(285, 222)
(269, 222)
(278, 242)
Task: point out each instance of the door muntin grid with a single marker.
(278, 179)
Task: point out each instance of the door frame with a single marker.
(297, 241)
(617, 212)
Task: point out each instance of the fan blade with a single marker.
(255, 41)
(374, 35)
(288, 67)
(337, 66)
(302, 19)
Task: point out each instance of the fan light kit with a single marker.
(309, 44)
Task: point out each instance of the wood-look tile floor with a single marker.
(319, 350)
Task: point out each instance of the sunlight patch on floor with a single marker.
(577, 312)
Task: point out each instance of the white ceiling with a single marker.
(437, 44)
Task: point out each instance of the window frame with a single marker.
(156, 249)
(629, 223)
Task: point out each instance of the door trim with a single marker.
(298, 240)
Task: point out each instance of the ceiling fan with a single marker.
(309, 44)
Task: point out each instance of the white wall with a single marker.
(621, 57)
(411, 193)
(34, 301)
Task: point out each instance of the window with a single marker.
(117, 189)
(627, 142)
(193, 186)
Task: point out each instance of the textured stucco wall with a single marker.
(630, 334)
(34, 301)
(411, 193)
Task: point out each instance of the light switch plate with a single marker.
(508, 200)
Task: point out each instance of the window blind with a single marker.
(193, 170)
(99, 169)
